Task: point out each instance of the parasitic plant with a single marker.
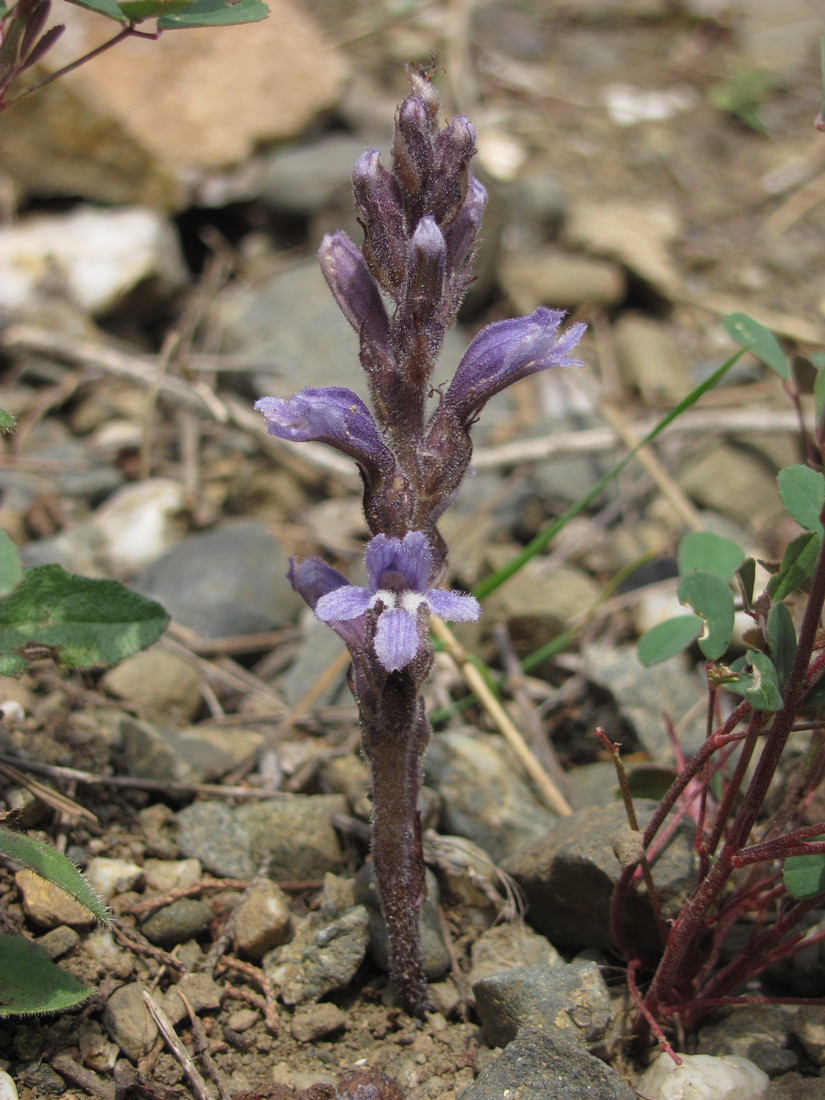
(400, 291)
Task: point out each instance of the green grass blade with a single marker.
(538, 542)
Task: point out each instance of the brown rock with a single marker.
(148, 121)
(262, 920)
(48, 905)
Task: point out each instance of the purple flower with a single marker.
(398, 572)
(506, 351)
(332, 415)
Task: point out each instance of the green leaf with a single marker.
(798, 564)
(781, 640)
(7, 422)
(759, 341)
(802, 492)
(804, 876)
(85, 623)
(764, 693)
(667, 639)
(50, 864)
(11, 571)
(712, 600)
(711, 553)
(30, 982)
(216, 13)
(137, 10)
(746, 575)
(102, 7)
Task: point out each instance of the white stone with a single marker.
(140, 522)
(98, 255)
(8, 1089)
(162, 875)
(703, 1077)
(112, 876)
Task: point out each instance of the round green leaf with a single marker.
(136, 10)
(668, 638)
(712, 600)
(709, 552)
(802, 492)
(30, 982)
(216, 13)
(798, 564)
(764, 693)
(85, 623)
(804, 876)
(759, 341)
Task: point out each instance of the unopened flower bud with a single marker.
(355, 291)
(381, 214)
(453, 149)
(412, 152)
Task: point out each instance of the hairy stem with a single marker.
(394, 738)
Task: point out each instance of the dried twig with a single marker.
(203, 1048)
(180, 1052)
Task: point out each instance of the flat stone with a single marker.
(540, 1066)
(129, 1022)
(563, 280)
(808, 1025)
(161, 875)
(232, 580)
(507, 946)
(760, 1033)
(571, 1001)
(202, 993)
(59, 941)
(649, 358)
(48, 905)
(323, 955)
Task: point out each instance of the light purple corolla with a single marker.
(398, 572)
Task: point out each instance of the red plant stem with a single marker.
(735, 784)
(678, 961)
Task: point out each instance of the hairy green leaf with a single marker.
(216, 13)
(759, 341)
(802, 492)
(85, 623)
(30, 982)
(50, 864)
(712, 600)
(669, 638)
(804, 876)
(7, 422)
(798, 564)
(711, 553)
(11, 571)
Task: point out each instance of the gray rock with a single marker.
(434, 950)
(508, 946)
(484, 797)
(296, 833)
(541, 1066)
(571, 1001)
(535, 208)
(808, 1025)
(163, 685)
(642, 693)
(793, 1086)
(208, 831)
(319, 647)
(177, 922)
(128, 1021)
(228, 581)
(306, 178)
(324, 955)
(568, 876)
(58, 941)
(760, 1033)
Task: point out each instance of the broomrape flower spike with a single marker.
(398, 571)
(400, 291)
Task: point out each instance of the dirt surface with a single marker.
(745, 231)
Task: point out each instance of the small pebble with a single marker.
(112, 876)
(243, 1019)
(316, 1021)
